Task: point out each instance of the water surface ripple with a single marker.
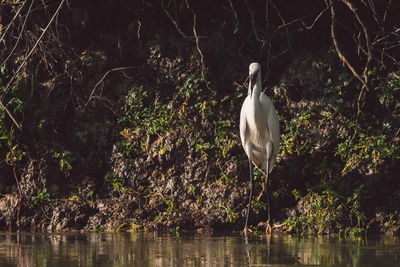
(191, 249)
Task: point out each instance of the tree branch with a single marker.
(26, 59)
(197, 44)
(9, 25)
(19, 36)
(344, 59)
(102, 79)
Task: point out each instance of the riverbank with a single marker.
(126, 118)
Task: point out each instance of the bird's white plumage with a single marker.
(259, 124)
(259, 131)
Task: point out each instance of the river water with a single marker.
(192, 249)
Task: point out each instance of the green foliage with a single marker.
(9, 142)
(362, 149)
(230, 214)
(65, 159)
(354, 206)
(225, 178)
(170, 203)
(191, 89)
(369, 142)
(387, 88)
(216, 140)
(327, 169)
(292, 140)
(192, 94)
(199, 201)
(42, 196)
(203, 147)
(170, 208)
(140, 121)
(328, 212)
(175, 230)
(205, 104)
(222, 144)
(90, 197)
(234, 100)
(335, 92)
(258, 206)
(9, 139)
(223, 141)
(118, 184)
(83, 195)
(296, 193)
(14, 155)
(392, 218)
(320, 212)
(191, 190)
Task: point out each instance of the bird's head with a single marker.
(254, 75)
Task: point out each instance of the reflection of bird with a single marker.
(259, 131)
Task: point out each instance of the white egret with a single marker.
(259, 131)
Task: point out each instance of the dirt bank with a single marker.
(126, 116)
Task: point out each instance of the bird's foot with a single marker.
(268, 229)
(247, 230)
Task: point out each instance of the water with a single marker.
(191, 249)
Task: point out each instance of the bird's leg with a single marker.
(251, 186)
(268, 229)
(269, 153)
(251, 193)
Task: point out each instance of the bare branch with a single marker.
(368, 44)
(316, 19)
(19, 36)
(138, 29)
(253, 22)
(36, 44)
(235, 16)
(26, 59)
(102, 79)
(197, 44)
(386, 10)
(174, 21)
(9, 114)
(344, 59)
(283, 22)
(9, 25)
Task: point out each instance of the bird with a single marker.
(259, 132)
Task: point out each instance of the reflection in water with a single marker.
(150, 249)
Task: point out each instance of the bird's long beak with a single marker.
(253, 80)
(250, 79)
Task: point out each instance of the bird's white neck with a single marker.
(255, 93)
(255, 115)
